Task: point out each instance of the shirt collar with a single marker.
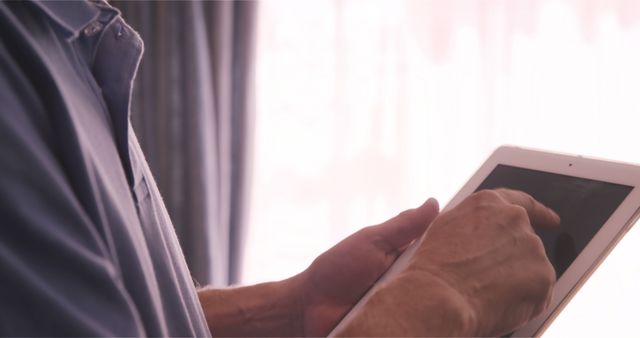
(72, 16)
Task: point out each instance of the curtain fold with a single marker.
(193, 112)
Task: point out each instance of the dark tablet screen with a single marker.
(584, 206)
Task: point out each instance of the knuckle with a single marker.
(546, 277)
(516, 219)
(502, 190)
(406, 213)
(487, 195)
(375, 238)
(544, 283)
(484, 198)
(537, 246)
(529, 200)
(367, 234)
(516, 214)
(543, 273)
(540, 285)
(367, 231)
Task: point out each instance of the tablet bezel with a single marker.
(604, 240)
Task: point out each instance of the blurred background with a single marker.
(277, 128)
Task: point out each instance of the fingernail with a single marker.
(433, 201)
(555, 215)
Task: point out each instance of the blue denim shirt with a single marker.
(86, 245)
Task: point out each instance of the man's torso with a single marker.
(77, 61)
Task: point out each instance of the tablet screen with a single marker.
(584, 206)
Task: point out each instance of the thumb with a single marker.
(398, 232)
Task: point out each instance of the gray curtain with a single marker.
(193, 113)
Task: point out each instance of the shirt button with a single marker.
(121, 32)
(93, 28)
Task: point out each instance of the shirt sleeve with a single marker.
(57, 276)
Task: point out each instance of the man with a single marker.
(87, 248)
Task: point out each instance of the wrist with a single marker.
(450, 312)
(414, 304)
(268, 309)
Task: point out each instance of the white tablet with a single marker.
(598, 201)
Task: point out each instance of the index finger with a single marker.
(539, 214)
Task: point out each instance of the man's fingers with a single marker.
(539, 215)
(399, 231)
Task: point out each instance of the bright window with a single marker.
(366, 108)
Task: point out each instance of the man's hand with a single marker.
(480, 271)
(487, 252)
(340, 277)
(312, 302)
